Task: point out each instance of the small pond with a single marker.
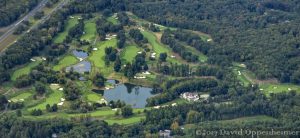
(133, 95)
(80, 54)
(81, 67)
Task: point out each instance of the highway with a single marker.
(40, 7)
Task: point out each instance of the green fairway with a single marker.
(129, 53)
(65, 62)
(277, 88)
(90, 31)
(113, 20)
(25, 70)
(23, 96)
(62, 36)
(245, 76)
(202, 57)
(51, 99)
(125, 121)
(157, 47)
(97, 57)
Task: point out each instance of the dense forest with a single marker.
(262, 34)
(11, 10)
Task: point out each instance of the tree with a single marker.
(99, 80)
(19, 113)
(40, 88)
(127, 111)
(3, 102)
(118, 65)
(36, 112)
(194, 117)
(163, 57)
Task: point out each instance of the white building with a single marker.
(190, 96)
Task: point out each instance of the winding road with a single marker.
(10, 29)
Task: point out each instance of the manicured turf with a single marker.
(97, 57)
(62, 36)
(25, 70)
(24, 96)
(157, 47)
(113, 20)
(202, 57)
(129, 53)
(277, 88)
(51, 99)
(65, 62)
(245, 76)
(125, 121)
(90, 31)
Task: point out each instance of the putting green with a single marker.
(129, 53)
(70, 23)
(65, 62)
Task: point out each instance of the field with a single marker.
(129, 53)
(125, 121)
(247, 77)
(113, 20)
(62, 36)
(97, 57)
(24, 96)
(157, 47)
(52, 98)
(25, 70)
(277, 88)
(90, 31)
(244, 120)
(65, 62)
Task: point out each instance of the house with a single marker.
(190, 96)
(165, 133)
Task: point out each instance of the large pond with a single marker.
(80, 54)
(81, 67)
(133, 95)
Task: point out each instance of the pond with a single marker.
(81, 67)
(80, 54)
(133, 95)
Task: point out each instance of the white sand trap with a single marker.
(239, 73)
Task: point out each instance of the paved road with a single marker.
(41, 5)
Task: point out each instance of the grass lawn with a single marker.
(90, 31)
(125, 121)
(51, 99)
(25, 70)
(202, 57)
(24, 96)
(65, 62)
(157, 47)
(277, 88)
(70, 23)
(129, 52)
(245, 76)
(113, 20)
(87, 93)
(97, 57)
